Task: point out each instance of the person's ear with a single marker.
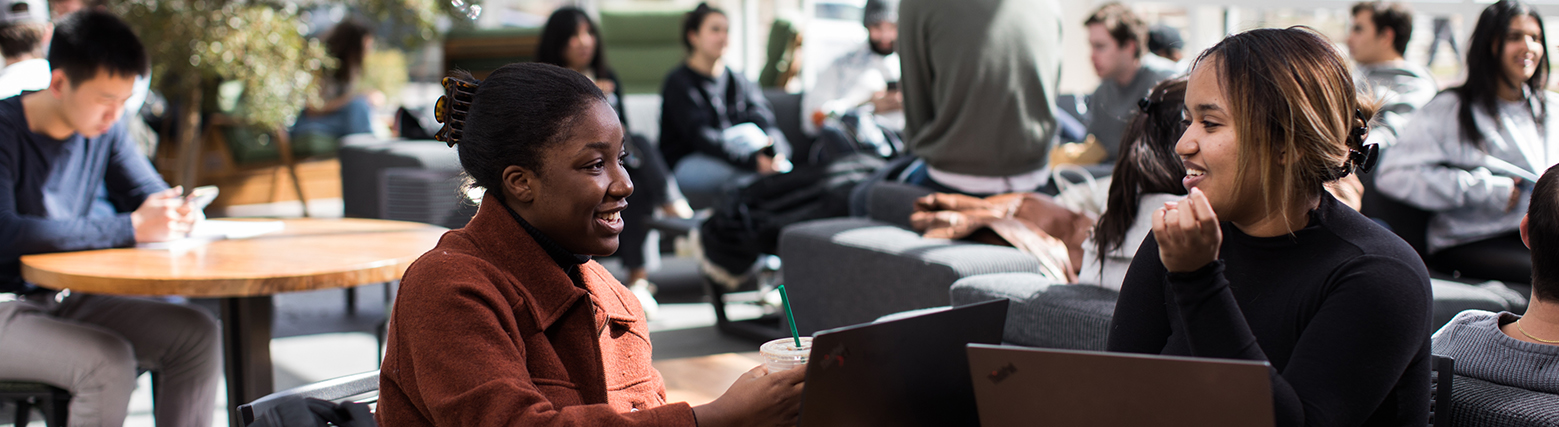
(1525, 219)
(1387, 33)
(58, 82)
(519, 184)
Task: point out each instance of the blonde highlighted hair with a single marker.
(1297, 115)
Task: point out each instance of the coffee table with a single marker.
(309, 254)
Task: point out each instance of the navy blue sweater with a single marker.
(65, 195)
(1340, 308)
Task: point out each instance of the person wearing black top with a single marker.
(705, 106)
(1259, 263)
(571, 40)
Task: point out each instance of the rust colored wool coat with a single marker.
(488, 330)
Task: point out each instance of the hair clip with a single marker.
(1367, 158)
(1145, 104)
(452, 108)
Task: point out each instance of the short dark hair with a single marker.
(561, 27)
(516, 114)
(1543, 236)
(1122, 24)
(92, 41)
(22, 38)
(1393, 15)
(694, 20)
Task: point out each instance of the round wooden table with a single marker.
(308, 254)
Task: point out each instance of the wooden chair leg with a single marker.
(284, 144)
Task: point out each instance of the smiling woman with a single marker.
(1259, 263)
(508, 321)
(1471, 155)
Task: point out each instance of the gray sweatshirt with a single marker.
(1481, 351)
(1112, 105)
(979, 83)
(1402, 87)
(1433, 168)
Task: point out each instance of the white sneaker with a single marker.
(641, 289)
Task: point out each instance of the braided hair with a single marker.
(511, 118)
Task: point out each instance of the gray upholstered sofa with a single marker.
(845, 271)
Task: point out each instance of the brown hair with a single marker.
(1389, 14)
(22, 38)
(1122, 24)
(1148, 162)
(1316, 136)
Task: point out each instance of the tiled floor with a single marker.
(315, 339)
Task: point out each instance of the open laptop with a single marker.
(908, 372)
(1020, 386)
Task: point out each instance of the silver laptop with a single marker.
(1021, 386)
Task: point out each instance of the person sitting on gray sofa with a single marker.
(1148, 176)
(1512, 349)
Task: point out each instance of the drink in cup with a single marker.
(782, 354)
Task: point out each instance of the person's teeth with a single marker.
(1194, 172)
(612, 216)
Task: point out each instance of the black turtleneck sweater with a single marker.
(1340, 308)
(567, 260)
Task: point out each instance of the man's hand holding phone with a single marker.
(167, 215)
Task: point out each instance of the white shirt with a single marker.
(849, 83)
(32, 74)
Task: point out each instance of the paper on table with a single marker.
(212, 230)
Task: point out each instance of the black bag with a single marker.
(747, 223)
(311, 412)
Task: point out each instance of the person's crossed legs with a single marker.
(92, 346)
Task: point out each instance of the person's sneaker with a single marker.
(644, 291)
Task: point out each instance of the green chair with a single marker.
(642, 45)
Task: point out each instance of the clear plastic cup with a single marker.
(782, 354)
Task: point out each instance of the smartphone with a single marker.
(201, 196)
(893, 85)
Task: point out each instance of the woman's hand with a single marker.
(758, 398)
(1187, 233)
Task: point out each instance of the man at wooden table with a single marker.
(71, 179)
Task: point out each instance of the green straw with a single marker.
(789, 316)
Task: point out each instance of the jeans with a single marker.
(93, 345)
(354, 117)
(705, 180)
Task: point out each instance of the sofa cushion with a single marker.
(1043, 313)
(1452, 297)
(844, 271)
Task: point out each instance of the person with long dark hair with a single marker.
(1260, 263)
(346, 109)
(572, 40)
(1471, 155)
(508, 321)
(716, 128)
(1147, 176)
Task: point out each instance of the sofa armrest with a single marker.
(845, 271)
(1043, 313)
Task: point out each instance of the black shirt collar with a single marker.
(566, 259)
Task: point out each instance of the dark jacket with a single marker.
(695, 109)
(489, 331)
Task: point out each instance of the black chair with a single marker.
(361, 388)
(53, 402)
(1441, 377)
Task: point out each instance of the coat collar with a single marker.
(543, 285)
